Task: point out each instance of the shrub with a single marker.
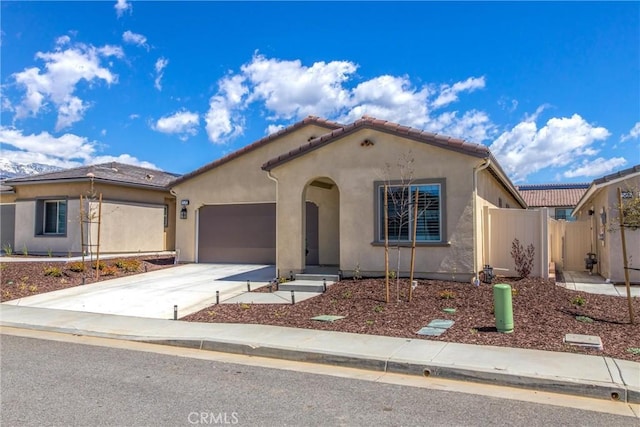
(109, 270)
(98, 265)
(53, 271)
(76, 267)
(578, 300)
(447, 294)
(128, 265)
(6, 247)
(522, 258)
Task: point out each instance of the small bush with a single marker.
(128, 265)
(98, 265)
(109, 270)
(76, 267)
(378, 309)
(6, 247)
(447, 294)
(522, 258)
(53, 271)
(33, 288)
(578, 301)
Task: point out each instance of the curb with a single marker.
(616, 390)
(606, 391)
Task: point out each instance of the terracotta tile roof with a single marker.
(318, 121)
(552, 195)
(114, 173)
(382, 126)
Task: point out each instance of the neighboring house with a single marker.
(7, 216)
(312, 194)
(598, 211)
(561, 199)
(137, 211)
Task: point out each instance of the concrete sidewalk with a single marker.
(576, 374)
(595, 284)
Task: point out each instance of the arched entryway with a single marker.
(321, 224)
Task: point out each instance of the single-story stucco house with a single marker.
(137, 212)
(561, 199)
(312, 194)
(598, 211)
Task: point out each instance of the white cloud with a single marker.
(161, 64)
(525, 149)
(63, 40)
(290, 89)
(183, 123)
(103, 132)
(134, 38)
(134, 116)
(595, 168)
(634, 133)
(223, 120)
(64, 151)
(57, 81)
(273, 129)
(122, 6)
(449, 94)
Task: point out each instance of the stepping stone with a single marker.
(590, 341)
(441, 323)
(434, 332)
(327, 318)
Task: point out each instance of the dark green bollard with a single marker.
(503, 308)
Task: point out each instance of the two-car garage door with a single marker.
(244, 233)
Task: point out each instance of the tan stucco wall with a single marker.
(132, 219)
(354, 169)
(7, 198)
(127, 227)
(240, 180)
(609, 251)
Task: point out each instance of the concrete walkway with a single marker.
(595, 284)
(577, 374)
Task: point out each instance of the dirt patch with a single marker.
(22, 279)
(543, 313)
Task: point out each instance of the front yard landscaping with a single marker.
(543, 312)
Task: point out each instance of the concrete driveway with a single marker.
(191, 287)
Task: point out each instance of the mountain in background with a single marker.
(9, 169)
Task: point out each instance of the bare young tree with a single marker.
(403, 210)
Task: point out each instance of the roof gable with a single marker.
(605, 181)
(114, 173)
(367, 122)
(309, 120)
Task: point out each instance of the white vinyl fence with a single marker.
(502, 226)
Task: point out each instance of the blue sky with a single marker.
(552, 88)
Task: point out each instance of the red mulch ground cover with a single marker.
(543, 313)
(22, 279)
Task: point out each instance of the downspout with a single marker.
(482, 166)
(274, 179)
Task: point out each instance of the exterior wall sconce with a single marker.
(183, 213)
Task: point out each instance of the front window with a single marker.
(401, 211)
(55, 217)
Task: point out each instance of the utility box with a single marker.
(503, 308)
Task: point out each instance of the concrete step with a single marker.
(318, 277)
(304, 286)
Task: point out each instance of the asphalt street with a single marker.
(60, 383)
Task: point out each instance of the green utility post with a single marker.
(503, 308)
